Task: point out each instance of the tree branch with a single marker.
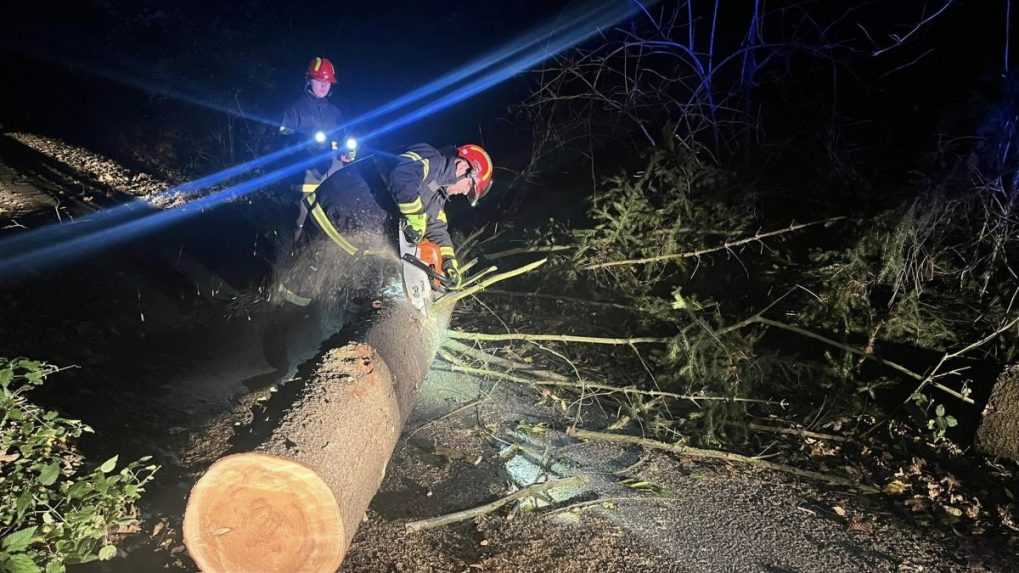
(605, 387)
(720, 455)
(460, 335)
(452, 297)
(701, 252)
(423, 524)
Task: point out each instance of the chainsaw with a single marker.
(422, 272)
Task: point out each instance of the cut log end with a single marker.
(260, 513)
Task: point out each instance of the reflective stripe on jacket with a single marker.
(418, 184)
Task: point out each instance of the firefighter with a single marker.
(422, 181)
(314, 121)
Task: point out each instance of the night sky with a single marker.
(253, 53)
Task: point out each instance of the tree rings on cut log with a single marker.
(256, 513)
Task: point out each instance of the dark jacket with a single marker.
(303, 119)
(310, 114)
(418, 184)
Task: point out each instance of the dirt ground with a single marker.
(690, 516)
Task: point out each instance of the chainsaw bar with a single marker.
(416, 282)
(444, 283)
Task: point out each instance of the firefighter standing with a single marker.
(316, 122)
(423, 180)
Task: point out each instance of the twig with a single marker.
(700, 252)
(899, 40)
(468, 244)
(509, 365)
(907, 64)
(478, 276)
(641, 461)
(607, 387)
(528, 250)
(836, 344)
(460, 335)
(798, 432)
(557, 297)
(603, 500)
(451, 298)
(720, 455)
(423, 524)
(929, 379)
(893, 365)
(450, 414)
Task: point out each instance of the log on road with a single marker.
(294, 504)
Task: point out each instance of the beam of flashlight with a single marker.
(561, 41)
(33, 239)
(15, 263)
(89, 234)
(576, 17)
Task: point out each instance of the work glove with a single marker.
(414, 225)
(451, 268)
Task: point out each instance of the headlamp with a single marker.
(351, 144)
(320, 137)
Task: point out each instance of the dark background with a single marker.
(60, 64)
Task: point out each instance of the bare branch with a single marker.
(720, 455)
(899, 40)
(700, 252)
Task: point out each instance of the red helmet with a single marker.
(321, 69)
(481, 170)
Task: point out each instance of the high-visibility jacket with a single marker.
(418, 183)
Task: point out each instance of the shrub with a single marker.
(53, 510)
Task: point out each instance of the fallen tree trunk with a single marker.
(295, 503)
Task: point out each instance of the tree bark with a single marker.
(295, 503)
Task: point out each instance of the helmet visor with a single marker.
(478, 187)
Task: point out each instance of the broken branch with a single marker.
(723, 247)
(528, 250)
(452, 297)
(606, 387)
(466, 514)
(798, 432)
(461, 335)
(509, 365)
(557, 297)
(720, 455)
(929, 379)
(869, 356)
